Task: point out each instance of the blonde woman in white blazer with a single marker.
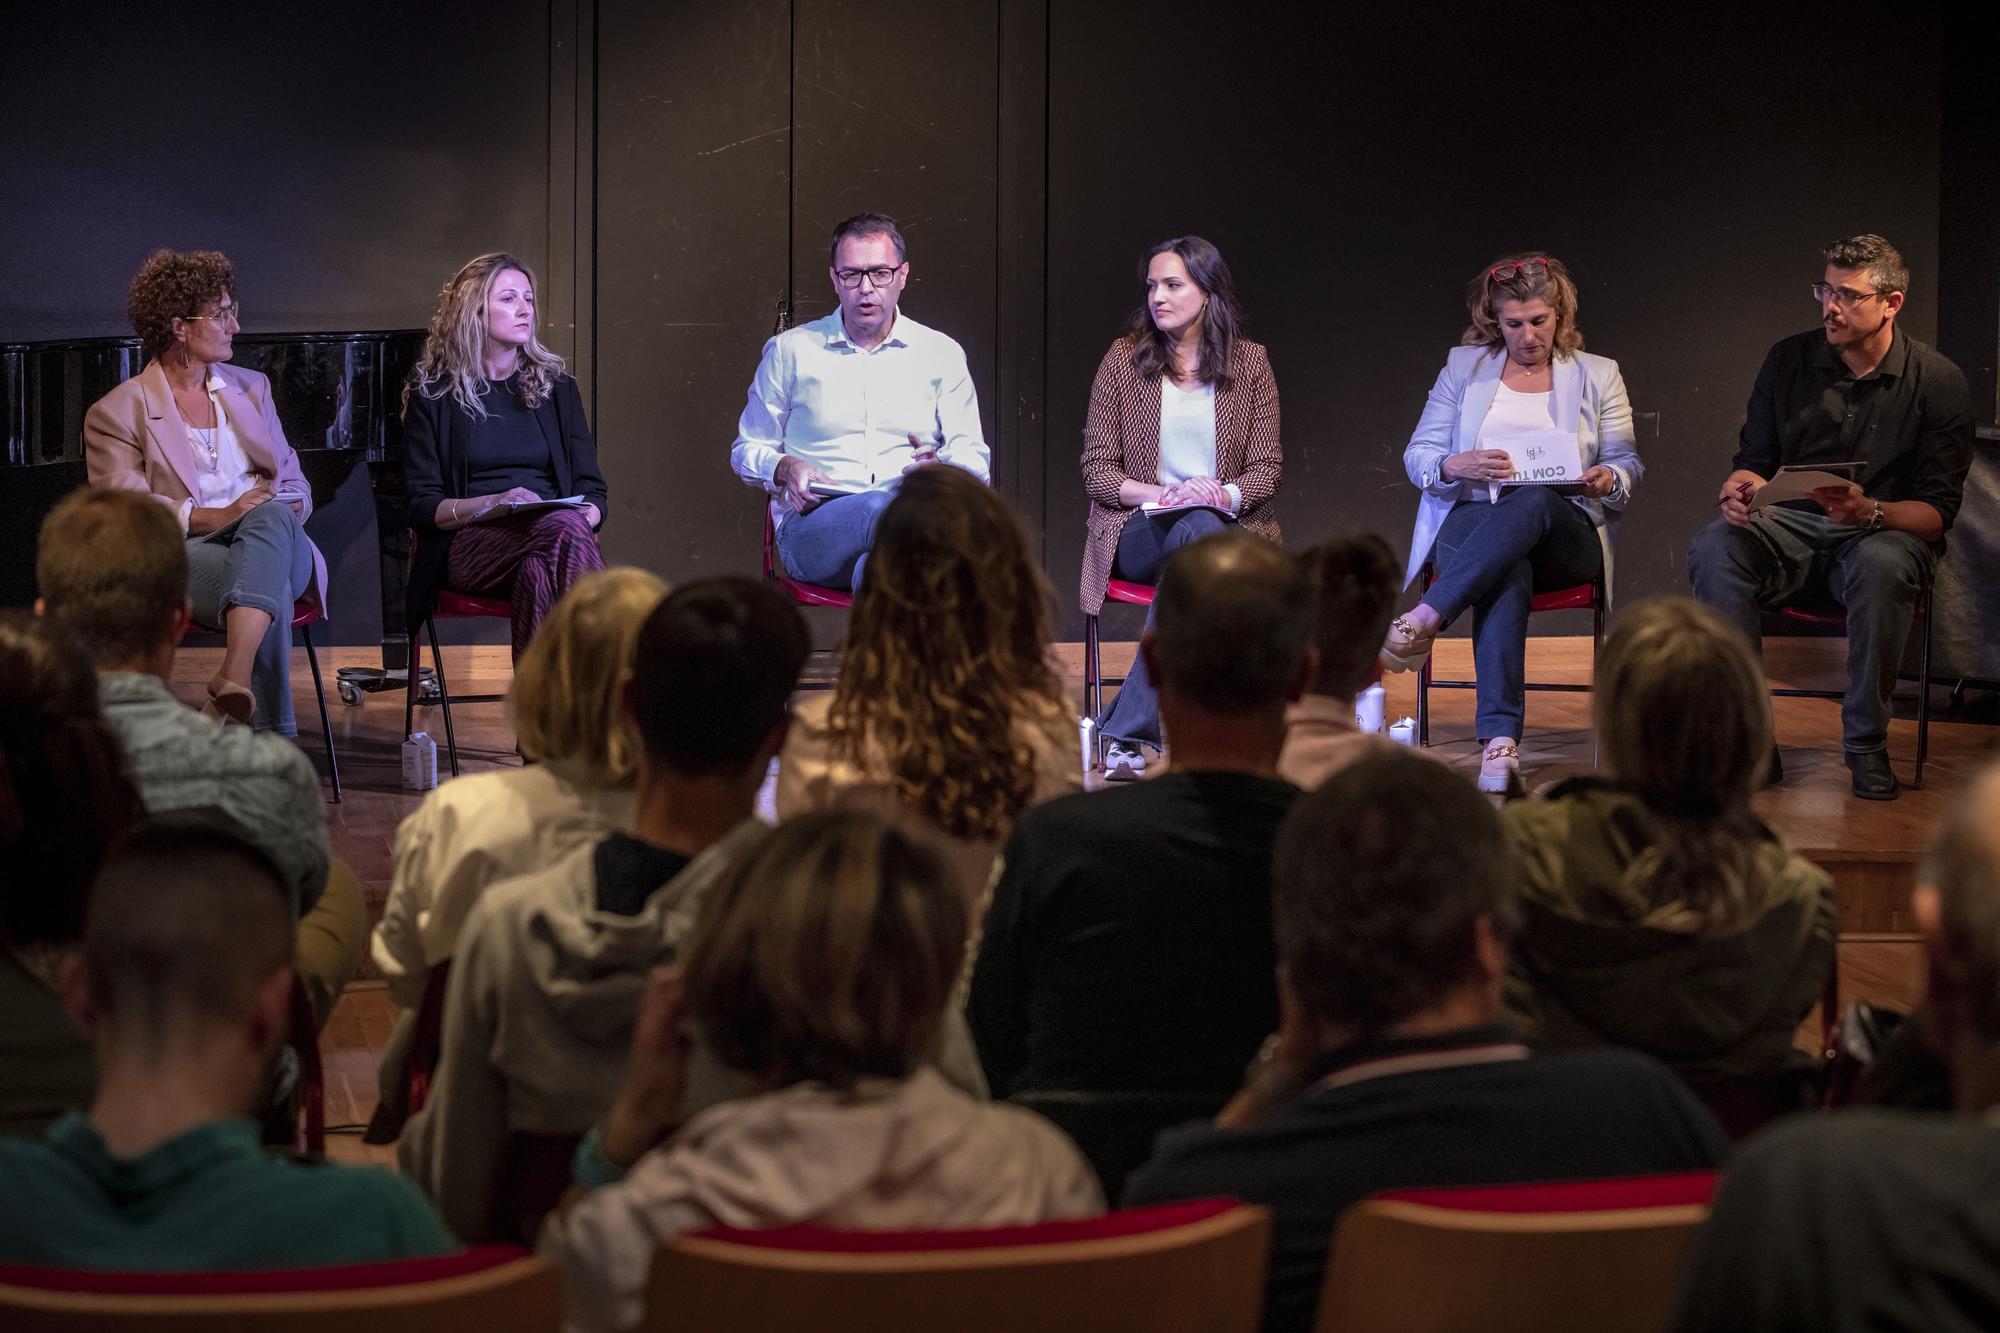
(1520, 373)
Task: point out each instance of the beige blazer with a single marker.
(133, 440)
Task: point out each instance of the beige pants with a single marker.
(331, 938)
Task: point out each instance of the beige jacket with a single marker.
(469, 834)
(890, 1155)
(810, 778)
(133, 440)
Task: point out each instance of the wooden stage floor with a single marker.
(1871, 848)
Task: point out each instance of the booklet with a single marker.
(1542, 457)
(1159, 510)
(537, 506)
(1798, 483)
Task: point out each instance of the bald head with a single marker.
(1963, 872)
(1232, 621)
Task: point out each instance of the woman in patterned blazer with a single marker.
(1183, 417)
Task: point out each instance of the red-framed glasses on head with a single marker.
(1537, 267)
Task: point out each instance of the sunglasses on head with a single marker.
(1527, 268)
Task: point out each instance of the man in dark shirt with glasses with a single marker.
(1856, 390)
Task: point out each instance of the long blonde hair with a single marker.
(565, 700)
(454, 357)
(1684, 715)
(947, 651)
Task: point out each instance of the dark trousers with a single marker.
(1494, 558)
(1788, 555)
(1143, 547)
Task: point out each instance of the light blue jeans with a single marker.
(828, 544)
(264, 562)
(1143, 548)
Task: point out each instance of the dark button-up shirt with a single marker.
(1908, 421)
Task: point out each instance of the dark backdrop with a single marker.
(674, 169)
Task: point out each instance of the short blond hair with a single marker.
(827, 953)
(566, 700)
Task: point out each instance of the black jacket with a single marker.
(437, 435)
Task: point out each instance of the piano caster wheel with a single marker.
(350, 694)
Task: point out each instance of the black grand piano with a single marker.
(339, 398)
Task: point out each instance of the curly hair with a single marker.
(947, 651)
(454, 357)
(1549, 282)
(65, 794)
(173, 285)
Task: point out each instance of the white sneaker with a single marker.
(1123, 762)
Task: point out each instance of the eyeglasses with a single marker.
(225, 315)
(1840, 296)
(850, 278)
(1527, 268)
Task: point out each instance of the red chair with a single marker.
(304, 616)
(1826, 617)
(303, 1038)
(805, 594)
(1115, 590)
(449, 606)
(426, 1038)
(1185, 1268)
(1597, 1254)
(1591, 597)
(493, 1288)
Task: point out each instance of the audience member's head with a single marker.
(64, 790)
(187, 945)
(112, 566)
(713, 676)
(1354, 580)
(1684, 716)
(1957, 910)
(1394, 894)
(1232, 627)
(828, 953)
(566, 698)
(947, 648)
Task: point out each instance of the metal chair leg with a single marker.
(1424, 703)
(1923, 692)
(325, 723)
(444, 695)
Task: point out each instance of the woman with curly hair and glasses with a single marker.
(203, 438)
(1518, 389)
(1184, 420)
(493, 426)
(946, 712)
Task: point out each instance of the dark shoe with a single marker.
(1774, 773)
(1874, 780)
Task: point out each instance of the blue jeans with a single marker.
(828, 544)
(1143, 547)
(1788, 555)
(263, 562)
(1494, 558)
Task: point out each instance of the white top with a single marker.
(850, 412)
(1513, 413)
(1187, 436)
(222, 469)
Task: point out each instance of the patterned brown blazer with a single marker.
(1121, 441)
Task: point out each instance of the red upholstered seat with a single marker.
(1580, 598)
(1137, 594)
(343, 1277)
(464, 606)
(826, 1240)
(805, 594)
(1589, 597)
(1569, 1196)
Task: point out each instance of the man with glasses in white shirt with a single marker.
(841, 407)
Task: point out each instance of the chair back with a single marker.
(493, 1289)
(1115, 1130)
(1602, 1255)
(1185, 1268)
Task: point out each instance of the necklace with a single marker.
(210, 439)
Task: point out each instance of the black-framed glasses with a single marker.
(222, 316)
(1527, 268)
(1840, 296)
(850, 278)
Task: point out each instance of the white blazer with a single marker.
(1589, 399)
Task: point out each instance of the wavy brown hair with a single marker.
(1488, 292)
(947, 651)
(1221, 319)
(1684, 715)
(454, 357)
(173, 285)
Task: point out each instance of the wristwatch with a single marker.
(1874, 523)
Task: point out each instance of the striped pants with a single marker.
(529, 559)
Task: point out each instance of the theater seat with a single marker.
(1591, 1254)
(1184, 1268)
(490, 1289)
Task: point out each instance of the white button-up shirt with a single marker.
(222, 475)
(849, 412)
